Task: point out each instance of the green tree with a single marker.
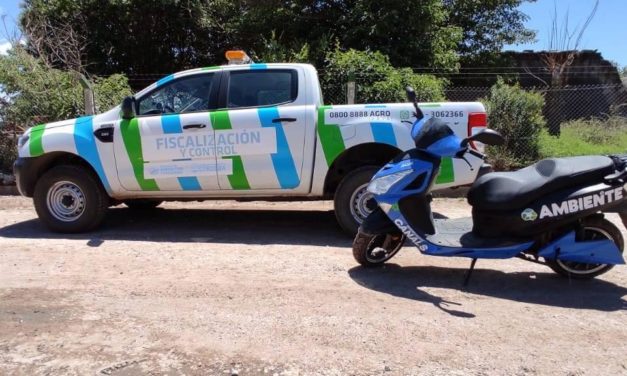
(140, 37)
(488, 25)
(147, 37)
(377, 80)
(413, 33)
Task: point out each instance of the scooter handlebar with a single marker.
(475, 153)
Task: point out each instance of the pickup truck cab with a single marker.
(243, 132)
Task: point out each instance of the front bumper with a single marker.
(25, 171)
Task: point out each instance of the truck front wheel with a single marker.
(352, 202)
(70, 199)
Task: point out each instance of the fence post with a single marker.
(351, 88)
(88, 94)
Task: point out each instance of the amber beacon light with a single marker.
(237, 57)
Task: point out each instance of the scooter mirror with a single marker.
(127, 108)
(411, 94)
(488, 137)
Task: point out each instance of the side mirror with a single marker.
(127, 109)
(411, 96)
(488, 137)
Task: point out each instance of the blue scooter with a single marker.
(549, 213)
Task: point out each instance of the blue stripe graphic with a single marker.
(384, 133)
(282, 160)
(375, 106)
(86, 147)
(190, 183)
(165, 80)
(258, 66)
(172, 124)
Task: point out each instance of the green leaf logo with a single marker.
(529, 215)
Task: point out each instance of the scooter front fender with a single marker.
(378, 223)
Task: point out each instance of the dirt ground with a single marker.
(223, 288)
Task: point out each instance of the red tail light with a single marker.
(476, 122)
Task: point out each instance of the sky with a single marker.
(607, 33)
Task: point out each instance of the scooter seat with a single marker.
(514, 190)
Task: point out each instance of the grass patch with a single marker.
(586, 137)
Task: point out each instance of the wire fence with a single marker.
(604, 106)
(582, 119)
(563, 104)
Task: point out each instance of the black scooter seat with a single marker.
(514, 190)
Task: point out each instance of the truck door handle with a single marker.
(190, 126)
(286, 120)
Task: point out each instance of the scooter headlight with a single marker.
(381, 185)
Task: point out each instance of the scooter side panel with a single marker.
(550, 212)
(590, 252)
(434, 250)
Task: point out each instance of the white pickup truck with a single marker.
(251, 131)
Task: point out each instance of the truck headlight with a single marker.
(21, 141)
(381, 185)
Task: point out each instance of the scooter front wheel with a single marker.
(374, 250)
(593, 228)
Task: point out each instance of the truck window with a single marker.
(262, 88)
(188, 94)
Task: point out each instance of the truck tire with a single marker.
(142, 204)
(352, 203)
(70, 199)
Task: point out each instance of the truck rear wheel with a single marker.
(352, 202)
(70, 199)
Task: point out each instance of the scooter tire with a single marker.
(389, 245)
(575, 270)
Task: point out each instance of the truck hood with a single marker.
(111, 115)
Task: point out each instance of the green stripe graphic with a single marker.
(220, 121)
(330, 137)
(35, 145)
(133, 145)
(447, 173)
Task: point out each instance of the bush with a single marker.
(8, 153)
(517, 115)
(586, 137)
(376, 79)
(40, 94)
(109, 91)
(33, 93)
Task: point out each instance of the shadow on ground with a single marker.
(535, 288)
(318, 228)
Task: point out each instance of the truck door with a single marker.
(169, 145)
(261, 129)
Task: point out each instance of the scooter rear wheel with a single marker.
(375, 250)
(593, 228)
